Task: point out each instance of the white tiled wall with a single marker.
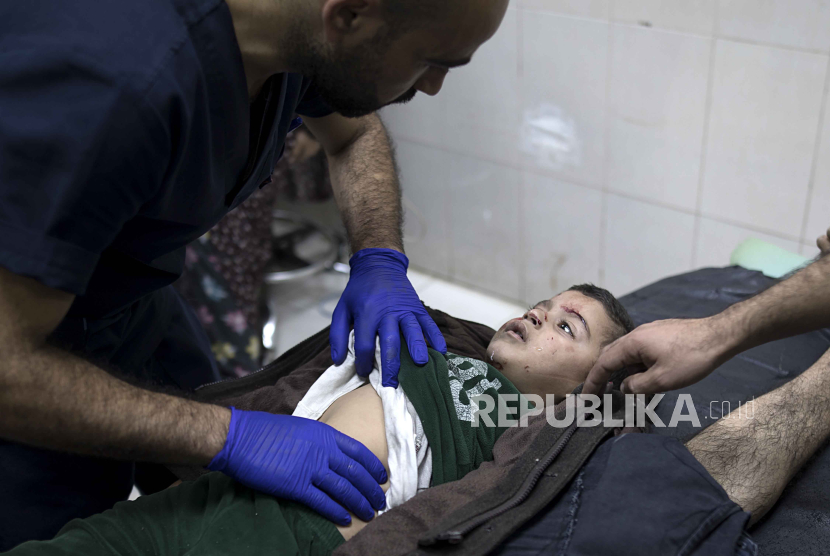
(483, 215)
(427, 205)
(765, 111)
(620, 141)
(691, 16)
(564, 86)
(657, 114)
(790, 23)
(644, 242)
(562, 231)
(482, 89)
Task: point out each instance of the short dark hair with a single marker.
(406, 14)
(613, 308)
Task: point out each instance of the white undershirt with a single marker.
(410, 457)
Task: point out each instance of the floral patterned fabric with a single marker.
(235, 343)
(224, 268)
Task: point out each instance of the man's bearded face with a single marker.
(349, 81)
(398, 60)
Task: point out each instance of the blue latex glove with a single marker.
(305, 461)
(380, 301)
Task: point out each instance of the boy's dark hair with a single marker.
(613, 308)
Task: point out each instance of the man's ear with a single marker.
(347, 20)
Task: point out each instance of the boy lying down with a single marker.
(423, 434)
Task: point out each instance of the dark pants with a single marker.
(639, 494)
(159, 342)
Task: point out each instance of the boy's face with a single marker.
(553, 346)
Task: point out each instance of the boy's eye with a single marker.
(566, 327)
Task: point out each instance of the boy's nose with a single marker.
(536, 317)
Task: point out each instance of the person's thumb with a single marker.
(618, 355)
(650, 381)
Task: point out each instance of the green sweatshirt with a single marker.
(442, 392)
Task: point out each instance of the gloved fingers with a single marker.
(432, 332)
(357, 476)
(320, 502)
(362, 455)
(339, 333)
(342, 491)
(414, 339)
(390, 348)
(365, 330)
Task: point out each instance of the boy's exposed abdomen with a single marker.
(359, 414)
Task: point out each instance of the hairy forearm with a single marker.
(53, 399)
(755, 454)
(794, 306)
(365, 183)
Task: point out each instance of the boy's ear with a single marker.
(343, 19)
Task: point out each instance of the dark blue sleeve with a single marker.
(80, 152)
(312, 104)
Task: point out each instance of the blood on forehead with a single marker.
(574, 311)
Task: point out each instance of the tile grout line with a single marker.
(520, 30)
(619, 193)
(523, 255)
(816, 153)
(716, 22)
(541, 172)
(707, 114)
(787, 48)
(750, 227)
(446, 212)
(607, 117)
(446, 192)
(603, 243)
(716, 34)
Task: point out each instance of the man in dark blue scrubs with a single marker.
(127, 130)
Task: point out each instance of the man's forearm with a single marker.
(755, 454)
(53, 399)
(365, 183)
(794, 306)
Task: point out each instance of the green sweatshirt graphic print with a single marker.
(442, 393)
